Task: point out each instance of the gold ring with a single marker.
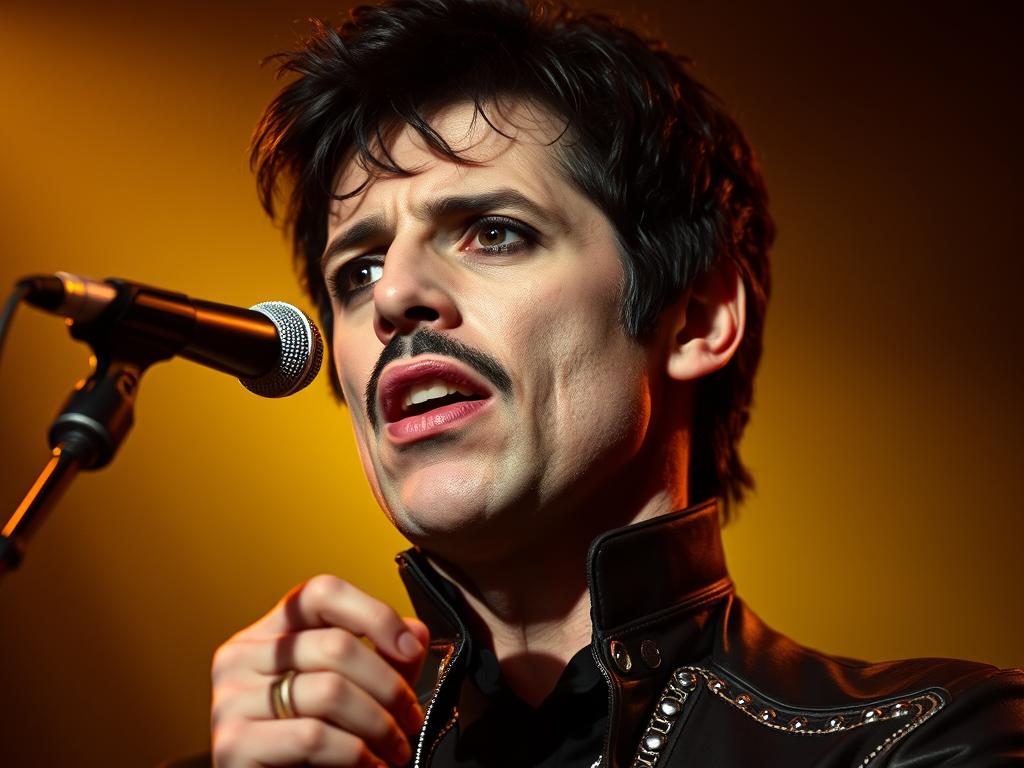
(281, 695)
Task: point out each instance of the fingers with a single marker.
(353, 704)
(319, 650)
(410, 670)
(304, 741)
(332, 698)
(328, 697)
(327, 601)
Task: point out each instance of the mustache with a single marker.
(426, 341)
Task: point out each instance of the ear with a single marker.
(708, 323)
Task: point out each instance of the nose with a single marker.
(413, 291)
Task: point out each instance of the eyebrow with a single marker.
(366, 229)
(375, 226)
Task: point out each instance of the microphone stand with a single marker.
(53, 480)
(95, 419)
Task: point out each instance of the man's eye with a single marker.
(494, 235)
(498, 236)
(355, 276)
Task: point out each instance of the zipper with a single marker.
(595, 650)
(446, 666)
(454, 652)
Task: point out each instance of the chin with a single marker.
(439, 500)
(461, 528)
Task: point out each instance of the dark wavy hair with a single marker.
(650, 146)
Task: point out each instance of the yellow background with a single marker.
(886, 438)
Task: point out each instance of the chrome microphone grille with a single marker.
(302, 351)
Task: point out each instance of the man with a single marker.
(539, 249)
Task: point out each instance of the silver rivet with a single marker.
(620, 655)
(687, 680)
(743, 700)
(798, 723)
(900, 708)
(872, 714)
(650, 653)
(767, 715)
(669, 707)
(834, 723)
(654, 741)
(715, 684)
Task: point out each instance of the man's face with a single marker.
(477, 337)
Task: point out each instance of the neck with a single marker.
(531, 605)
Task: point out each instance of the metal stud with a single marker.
(743, 700)
(650, 653)
(899, 709)
(870, 715)
(670, 707)
(687, 680)
(715, 684)
(766, 716)
(620, 656)
(798, 724)
(835, 723)
(654, 741)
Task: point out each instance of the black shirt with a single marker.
(565, 731)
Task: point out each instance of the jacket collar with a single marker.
(661, 568)
(669, 564)
(655, 589)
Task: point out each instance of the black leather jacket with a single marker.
(696, 679)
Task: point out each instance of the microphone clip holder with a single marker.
(96, 417)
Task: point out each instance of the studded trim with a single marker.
(442, 733)
(681, 684)
(802, 722)
(420, 758)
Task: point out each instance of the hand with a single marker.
(354, 705)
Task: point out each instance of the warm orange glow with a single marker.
(44, 476)
(886, 439)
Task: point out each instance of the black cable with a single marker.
(17, 295)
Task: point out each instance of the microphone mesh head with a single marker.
(302, 351)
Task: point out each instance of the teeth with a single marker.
(431, 390)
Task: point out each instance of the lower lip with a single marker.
(433, 423)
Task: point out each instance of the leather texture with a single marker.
(696, 679)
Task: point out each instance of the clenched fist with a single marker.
(353, 705)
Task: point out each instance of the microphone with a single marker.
(273, 348)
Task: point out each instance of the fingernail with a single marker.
(409, 645)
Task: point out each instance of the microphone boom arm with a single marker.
(273, 348)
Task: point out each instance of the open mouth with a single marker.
(425, 397)
(432, 395)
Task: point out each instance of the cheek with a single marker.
(590, 384)
(356, 351)
(353, 371)
(366, 458)
(348, 375)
